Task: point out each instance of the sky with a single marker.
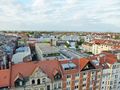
(60, 15)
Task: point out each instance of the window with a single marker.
(76, 87)
(116, 76)
(44, 80)
(55, 86)
(99, 76)
(18, 83)
(59, 85)
(48, 87)
(93, 72)
(68, 82)
(93, 78)
(103, 82)
(84, 73)
(33, 81)
(84, 79)
(77, 75)
(76, 81)
(68, 76)
(57, 76)
(38, 81)
(68, 88)
(111, 82)
(84, 85)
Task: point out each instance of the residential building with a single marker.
(22, 54)
(96, 46)
(81, 74)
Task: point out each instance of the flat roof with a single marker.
(46, 48)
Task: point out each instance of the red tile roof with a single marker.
(83, 62)
(4, 78)
(79, 62)
(50, 68)
(26, 69)
(105, 59)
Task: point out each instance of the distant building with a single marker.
(3, 61)
(22, 54)
(98, 45)
(45, 50)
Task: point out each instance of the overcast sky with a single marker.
(62, 15)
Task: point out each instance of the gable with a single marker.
(88, 66)
(38, 73)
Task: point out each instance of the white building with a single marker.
(21, 53)
(111, 73)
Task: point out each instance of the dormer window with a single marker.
(18, 83)
(19, 80)
(57, 76)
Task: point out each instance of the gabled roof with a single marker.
(83, 62)
(19, 76)
(26, 69)
(55, 72)
(80, 63)
(4, 78)
(49, 66)
(105, 59)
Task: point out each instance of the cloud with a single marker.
(59, 14)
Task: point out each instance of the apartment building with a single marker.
(111, 67)
(81, 74)
(98, 45)
(114, 75)
(87, 47)
(32, 76)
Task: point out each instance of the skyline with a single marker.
(62, 15)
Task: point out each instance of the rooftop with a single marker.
(4, 77)
(46, 48)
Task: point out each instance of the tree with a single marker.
(80, 42)
(67, 44)
(76, 45)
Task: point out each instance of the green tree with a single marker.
(67, 44)
(80, 42)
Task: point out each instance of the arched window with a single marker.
(33, 81)
(38, 81)
(44, 80)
